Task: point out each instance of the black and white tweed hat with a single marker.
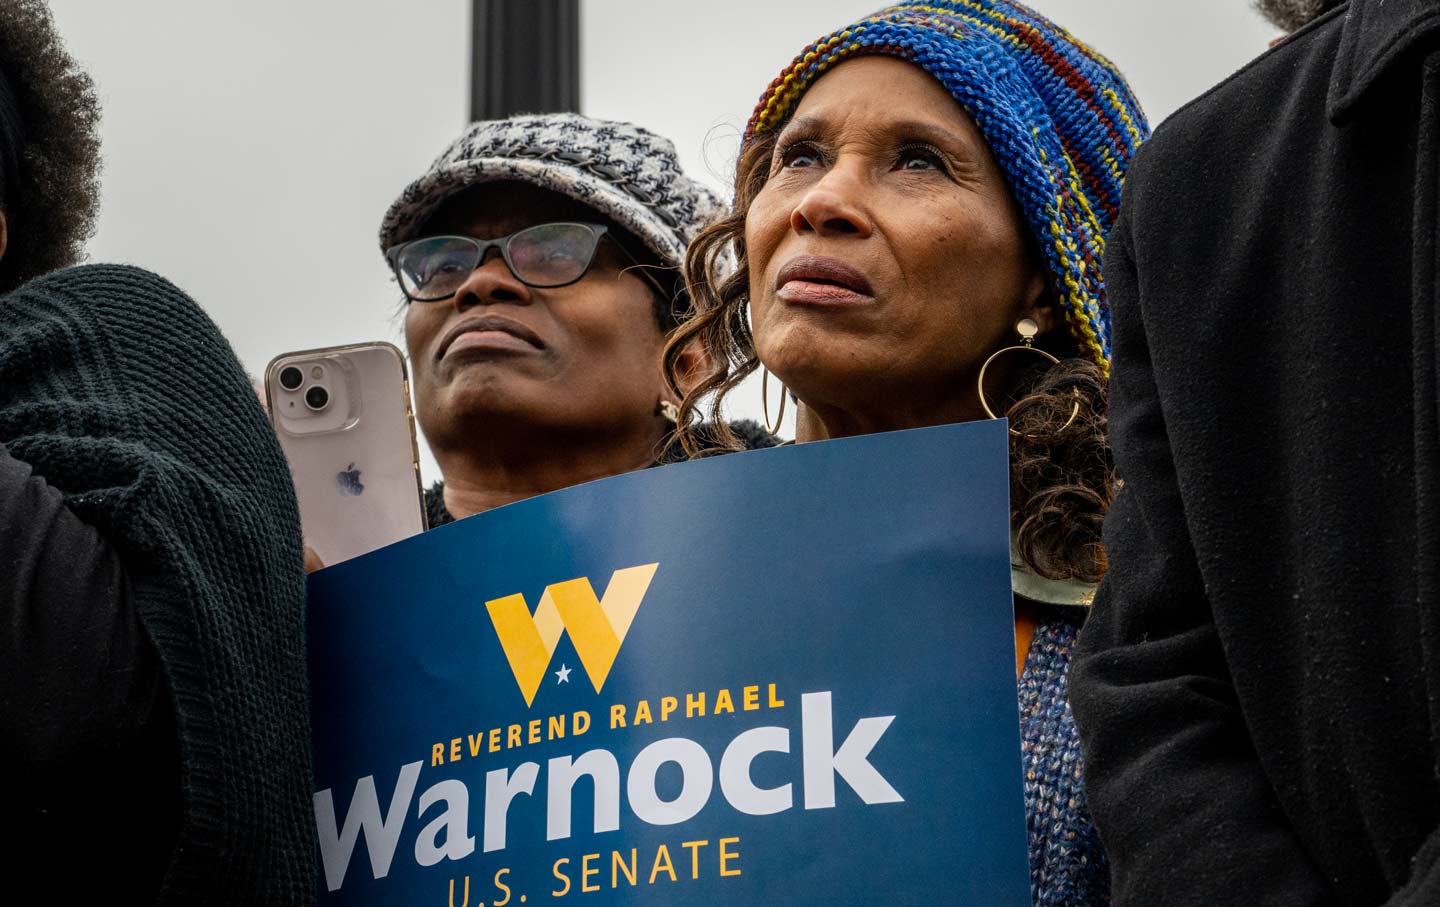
(628, 174)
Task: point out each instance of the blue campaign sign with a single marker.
(784, 676)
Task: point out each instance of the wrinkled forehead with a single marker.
(496, 209)
(879, 97)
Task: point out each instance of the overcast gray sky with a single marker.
(251, 146)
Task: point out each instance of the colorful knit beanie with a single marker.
(1058, 117)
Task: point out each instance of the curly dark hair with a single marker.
(1293, 15)
(50, 205)
(1062, 477)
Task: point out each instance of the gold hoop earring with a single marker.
(765, 402)
(1027, 329)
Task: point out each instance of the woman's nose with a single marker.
(490, 283)
(833, 206)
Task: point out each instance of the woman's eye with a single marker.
(920, 158)
(432, 270)
(799, 155)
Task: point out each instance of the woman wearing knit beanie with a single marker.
(154, 729)
(539, 257)
(917, 192)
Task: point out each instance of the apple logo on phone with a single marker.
(347, 481)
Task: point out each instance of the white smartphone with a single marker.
(344, 420)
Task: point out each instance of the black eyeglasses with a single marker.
(544, 256)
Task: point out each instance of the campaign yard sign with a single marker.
(784, 677)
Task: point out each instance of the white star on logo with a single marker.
(563, 674)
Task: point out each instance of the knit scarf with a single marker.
(122, 394)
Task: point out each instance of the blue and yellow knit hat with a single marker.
(1058, 117)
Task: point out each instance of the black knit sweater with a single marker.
(120, 393)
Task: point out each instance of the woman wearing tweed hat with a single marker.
(919, 194)
(539, 257)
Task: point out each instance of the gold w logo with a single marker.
(597, 626)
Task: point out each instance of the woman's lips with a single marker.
(815, 280)
(490, 333)
(807, 292)
(496, 341)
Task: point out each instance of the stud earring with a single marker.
(667, 410)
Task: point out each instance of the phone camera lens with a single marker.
(291, 378)
(317, 397)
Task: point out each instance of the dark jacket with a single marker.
(85, 715)
(134, 442)
(1258, 688)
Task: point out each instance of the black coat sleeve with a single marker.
(1423, 889)
(77, 672)
(1184, 809)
